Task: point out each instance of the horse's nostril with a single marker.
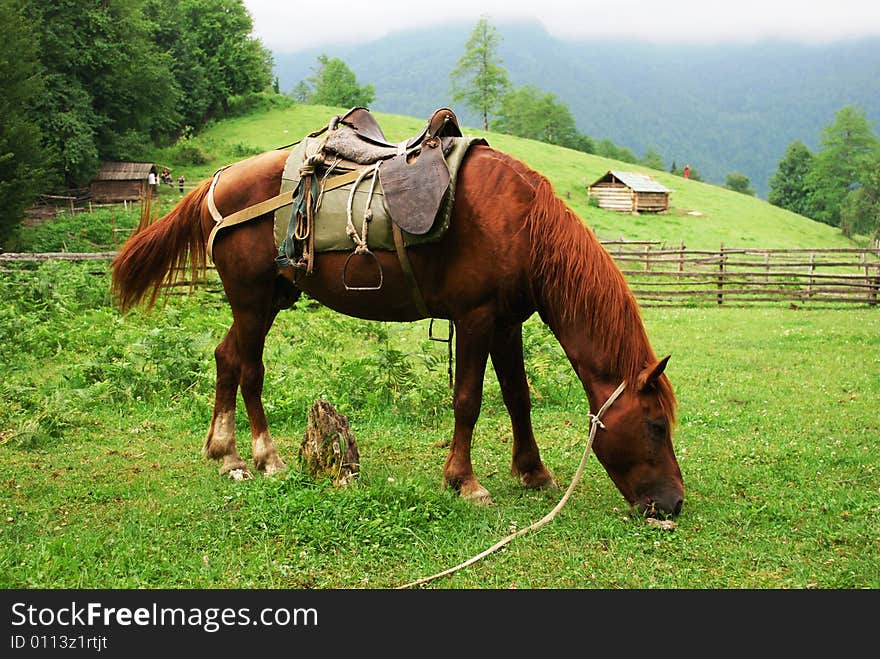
(677, 509)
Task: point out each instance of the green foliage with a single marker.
(652, 159)
(739, 182)
(335, 84)
(529, 112)
(860, 212)
(608, 149)
(788, 186)
(213, 56)
(849, 148)
(191, 151)
(104, 77)
(91, 81)
(23, 162)
(254, 102)
(839, 184)
(301, 92)
(478, 79)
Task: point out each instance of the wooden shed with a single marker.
(628, 192)
(121, 181)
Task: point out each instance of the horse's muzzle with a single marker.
(661, 507)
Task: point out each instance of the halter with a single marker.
(595, 423)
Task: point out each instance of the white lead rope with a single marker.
(595, 423)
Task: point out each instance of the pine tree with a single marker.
(478, 80)
(788, 186)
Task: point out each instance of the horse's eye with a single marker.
(657, 428)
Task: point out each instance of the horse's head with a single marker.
(635, 444)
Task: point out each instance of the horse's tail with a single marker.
(158, 255)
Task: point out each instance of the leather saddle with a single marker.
(413, 173)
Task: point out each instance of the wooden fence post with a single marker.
(680, 259)
(720, 294)
(812, 272)
(874, 282)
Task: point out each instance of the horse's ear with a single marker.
(649, 375)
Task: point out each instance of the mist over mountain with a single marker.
(722, 108)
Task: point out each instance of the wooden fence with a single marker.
(673, 276)
(660, 275)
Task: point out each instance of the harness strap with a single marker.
(249, 213)
(407, 271)
(211, 205)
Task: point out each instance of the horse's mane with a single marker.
(581, 283)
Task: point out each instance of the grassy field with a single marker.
(102, 418)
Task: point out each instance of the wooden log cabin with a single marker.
(628, 192)
(121, 181)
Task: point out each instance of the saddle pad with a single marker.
(331, 217)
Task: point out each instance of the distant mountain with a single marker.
(721, 108)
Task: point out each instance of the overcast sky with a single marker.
(291, 25)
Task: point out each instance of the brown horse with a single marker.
(513, 248)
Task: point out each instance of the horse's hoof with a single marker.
(274, 467)
(479, 496)
(239, 474)
(537, 480)
(543, 484)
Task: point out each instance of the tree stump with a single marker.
(329, 447)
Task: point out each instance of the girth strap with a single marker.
(407, 271)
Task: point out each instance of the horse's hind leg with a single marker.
(252, 325)
(220, 440)
(239, 359)
(507, 360)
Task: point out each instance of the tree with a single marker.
(106, 81)
(335, 84)
(301, 92)
(22, 157)
(788, 186)
(653, 159)
(849, 147)
(739, 182)
(212, 55)
(608, 149)
(478, 80)
(529, 112)
(860, 212)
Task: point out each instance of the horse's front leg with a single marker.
(472, 336)
(220, 440)
(507, 360)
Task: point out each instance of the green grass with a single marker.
(102, 418)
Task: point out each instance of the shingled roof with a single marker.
(637, 182)
(124, 171)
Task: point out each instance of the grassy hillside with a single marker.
(722, 107)
(724, 217)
